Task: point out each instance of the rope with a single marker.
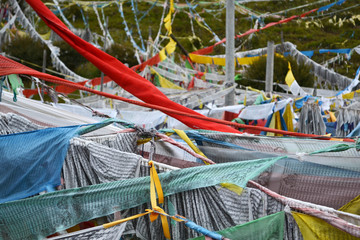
(173, 142)
(327, 214)
(155, 187)
(171, 111)
(335, 148)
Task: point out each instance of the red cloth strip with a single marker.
(209, 50)
(97, 81)
(122, 75)
(68, 90)
(150, 62)
(8, 67)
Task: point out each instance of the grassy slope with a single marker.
(311, 38)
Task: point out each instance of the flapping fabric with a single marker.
(31, 161)
(46, 214)
(122, 75)
(272, 227)
(316, 228)
(352, 207)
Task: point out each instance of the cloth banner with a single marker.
(320, 71)
(352, 207)
(316, 228)
(46, 214)
(220, 61)
(127, 31)
(353, 84)
(31, 161)
(170, 75)
(309, 54)
(58, 64)
(171, 46)
(122, 75)
(164, 82)
(357, 49)
(8, 25)
(293, 85)
(208, 50)
(327, 7)
(341, 51)
(256, 112)
(265, 228)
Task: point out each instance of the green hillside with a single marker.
(336, 28)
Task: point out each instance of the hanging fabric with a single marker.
(265, 228)
(164, 82)
(310, 120)
(315, 228)
(35, 160)
(15, 83)
(117, 71)
(293, 84)
(47, 210)
(58, 64)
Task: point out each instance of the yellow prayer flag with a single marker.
(169, 48)
(315, 228)
(289, 79)
(352, 207)
(164, 82)
(288, 117)
(349, 95)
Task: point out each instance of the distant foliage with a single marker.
(304, 33)
(70, 56)
(124, 53)
(257, 71)
(26, 49)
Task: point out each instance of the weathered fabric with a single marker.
(310, 120)
(12, 123)
(265, 228)
(312, 182)
(315, 228)
(302, 180)
(325, 74)
(344, 221)
(89, 163)
(125, 142)
(264, 146)
(253, 204)
(97, 233)
(203, 206)
(51, 212)
(347, 120)
(31, 161)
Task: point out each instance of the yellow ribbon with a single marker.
(164, 82)
(184, 136)
(114, 223)
(258, 91)
(171, 46)
(221, 60)
(288, 117)
(155, 186)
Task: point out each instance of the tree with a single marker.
(257, 71)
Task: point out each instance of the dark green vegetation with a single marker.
(256, 72)
(311, 33)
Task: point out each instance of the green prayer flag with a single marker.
(265, 228)
(15, 82)
(42, 215)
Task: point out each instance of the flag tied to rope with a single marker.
(122, 75)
